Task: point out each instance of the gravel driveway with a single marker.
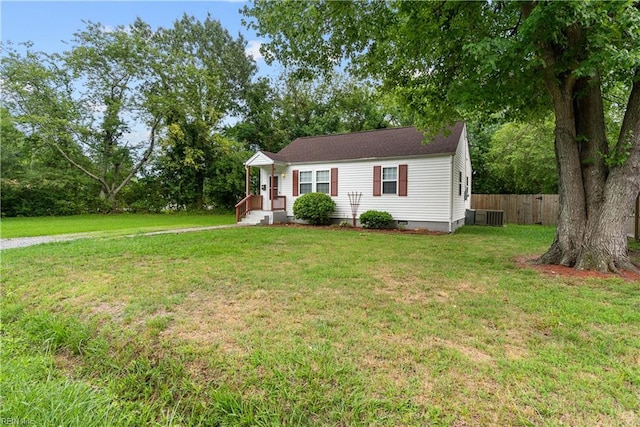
(21, 242)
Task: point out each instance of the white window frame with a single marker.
(326, 182)
(308, 183)
(389, 180)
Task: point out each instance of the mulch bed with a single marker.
(562, 271)
(361, 229)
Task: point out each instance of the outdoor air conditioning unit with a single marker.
(470, 217)
(487, 217)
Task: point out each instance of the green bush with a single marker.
(315, 208)
(375, 219)
(42, 196)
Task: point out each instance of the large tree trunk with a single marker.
(605, 241)
(572, 213)
(604, 246)
(596, 188)
(594, 200)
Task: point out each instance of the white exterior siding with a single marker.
(461, 165)
(427, 188)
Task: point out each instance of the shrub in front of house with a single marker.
(315, 208)
(375, 219)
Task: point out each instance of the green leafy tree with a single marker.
(521, 158)
(484, 181)
(226, 183)
(15, 155)
(446, 60)
(300, 106)
(36, 180)
(203, 74)
(259, 127)
(87, 101)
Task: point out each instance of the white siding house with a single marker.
(421, 183)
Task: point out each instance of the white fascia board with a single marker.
(260, 159)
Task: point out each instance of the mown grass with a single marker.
(298, 326)
(114, 224)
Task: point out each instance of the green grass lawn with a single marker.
(314, 327)
(116, 224)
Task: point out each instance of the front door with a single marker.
(273, 187)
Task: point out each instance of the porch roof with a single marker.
(264, 158)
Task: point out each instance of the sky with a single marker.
(49, 23)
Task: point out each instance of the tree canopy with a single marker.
(521, 158)
(297, 106)
(85, 102)
(203, 76)
(131, 104)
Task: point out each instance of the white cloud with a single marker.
(253, 49)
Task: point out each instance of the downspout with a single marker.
(467, 160)
(451, 191)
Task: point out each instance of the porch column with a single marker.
(271, 185)
(248, 181)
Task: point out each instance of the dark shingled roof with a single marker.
(396, 142)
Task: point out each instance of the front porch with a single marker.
(252, 206)
(268, 206)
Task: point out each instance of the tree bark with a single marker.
(591, 138)
(605, 240)
(595, 198)
(596, 189)
(572, 214)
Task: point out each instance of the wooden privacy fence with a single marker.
(520, 208)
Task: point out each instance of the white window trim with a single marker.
(327, 182)
(301, 182)
(314, 180)
(382, 180)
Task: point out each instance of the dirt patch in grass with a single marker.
(569, 272)
(411, 289)
(473, 354)
(222, 320)
(402, 289)
(114, 310)
(210, 320)
(67, 362)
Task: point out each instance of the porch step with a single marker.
(257, 218)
